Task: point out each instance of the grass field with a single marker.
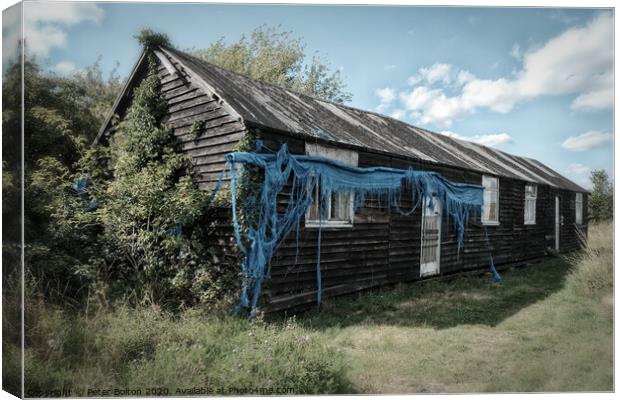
(546, 327)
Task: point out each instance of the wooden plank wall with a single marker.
(384, 247)
(188, 103)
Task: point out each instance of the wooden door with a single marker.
(431, 236)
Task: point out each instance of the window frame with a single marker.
(349, 157)
(579, 208)
(487, 189)
(531, 198)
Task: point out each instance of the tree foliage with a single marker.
(279, 58)
(61, 116)
(150, 39)
(601, 199)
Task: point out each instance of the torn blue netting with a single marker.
(271, 226)
(80, 187)
(175, 231)
(497, 278)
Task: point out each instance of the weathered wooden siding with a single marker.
(383, 247)
(188, 103)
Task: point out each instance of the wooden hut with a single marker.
(529, 211)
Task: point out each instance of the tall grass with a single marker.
(545, 327)
(147, 348)
(593, 267)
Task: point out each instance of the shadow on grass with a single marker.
(444, 303)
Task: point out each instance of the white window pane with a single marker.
(314, 208)
(493, 211)
(489, 182)
(530, 190)
(490, 210)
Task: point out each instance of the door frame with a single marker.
(438, 208)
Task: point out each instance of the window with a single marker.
(490, 209)
(579, 208)
(339, 210)
(530, 204)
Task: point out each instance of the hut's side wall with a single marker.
(384, 247)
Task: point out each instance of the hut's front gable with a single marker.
(206, 127)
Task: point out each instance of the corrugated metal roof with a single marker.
(267, 105)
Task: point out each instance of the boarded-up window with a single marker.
(339, 210)
(579, 208)
(490, 209)
(530, 204)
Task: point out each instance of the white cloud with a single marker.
(42, 39)
(578, 169)
(68, 13)
(419, 98)
(464, 76)
(587, 141)
(492, 140)
(497, 95)
(594, 100)
(495, 139)
(389, 67)
(45, 23)
(64, 68)
(397, 114)
(386, 97)
(413, 80)
(577, 62)
(437, 72)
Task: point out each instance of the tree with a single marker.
(600, 200)
(278, 58)
(61, 118)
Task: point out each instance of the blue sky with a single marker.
(536, 82)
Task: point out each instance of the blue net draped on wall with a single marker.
(299, 174)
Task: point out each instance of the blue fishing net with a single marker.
(80, 186)
(300, 174)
